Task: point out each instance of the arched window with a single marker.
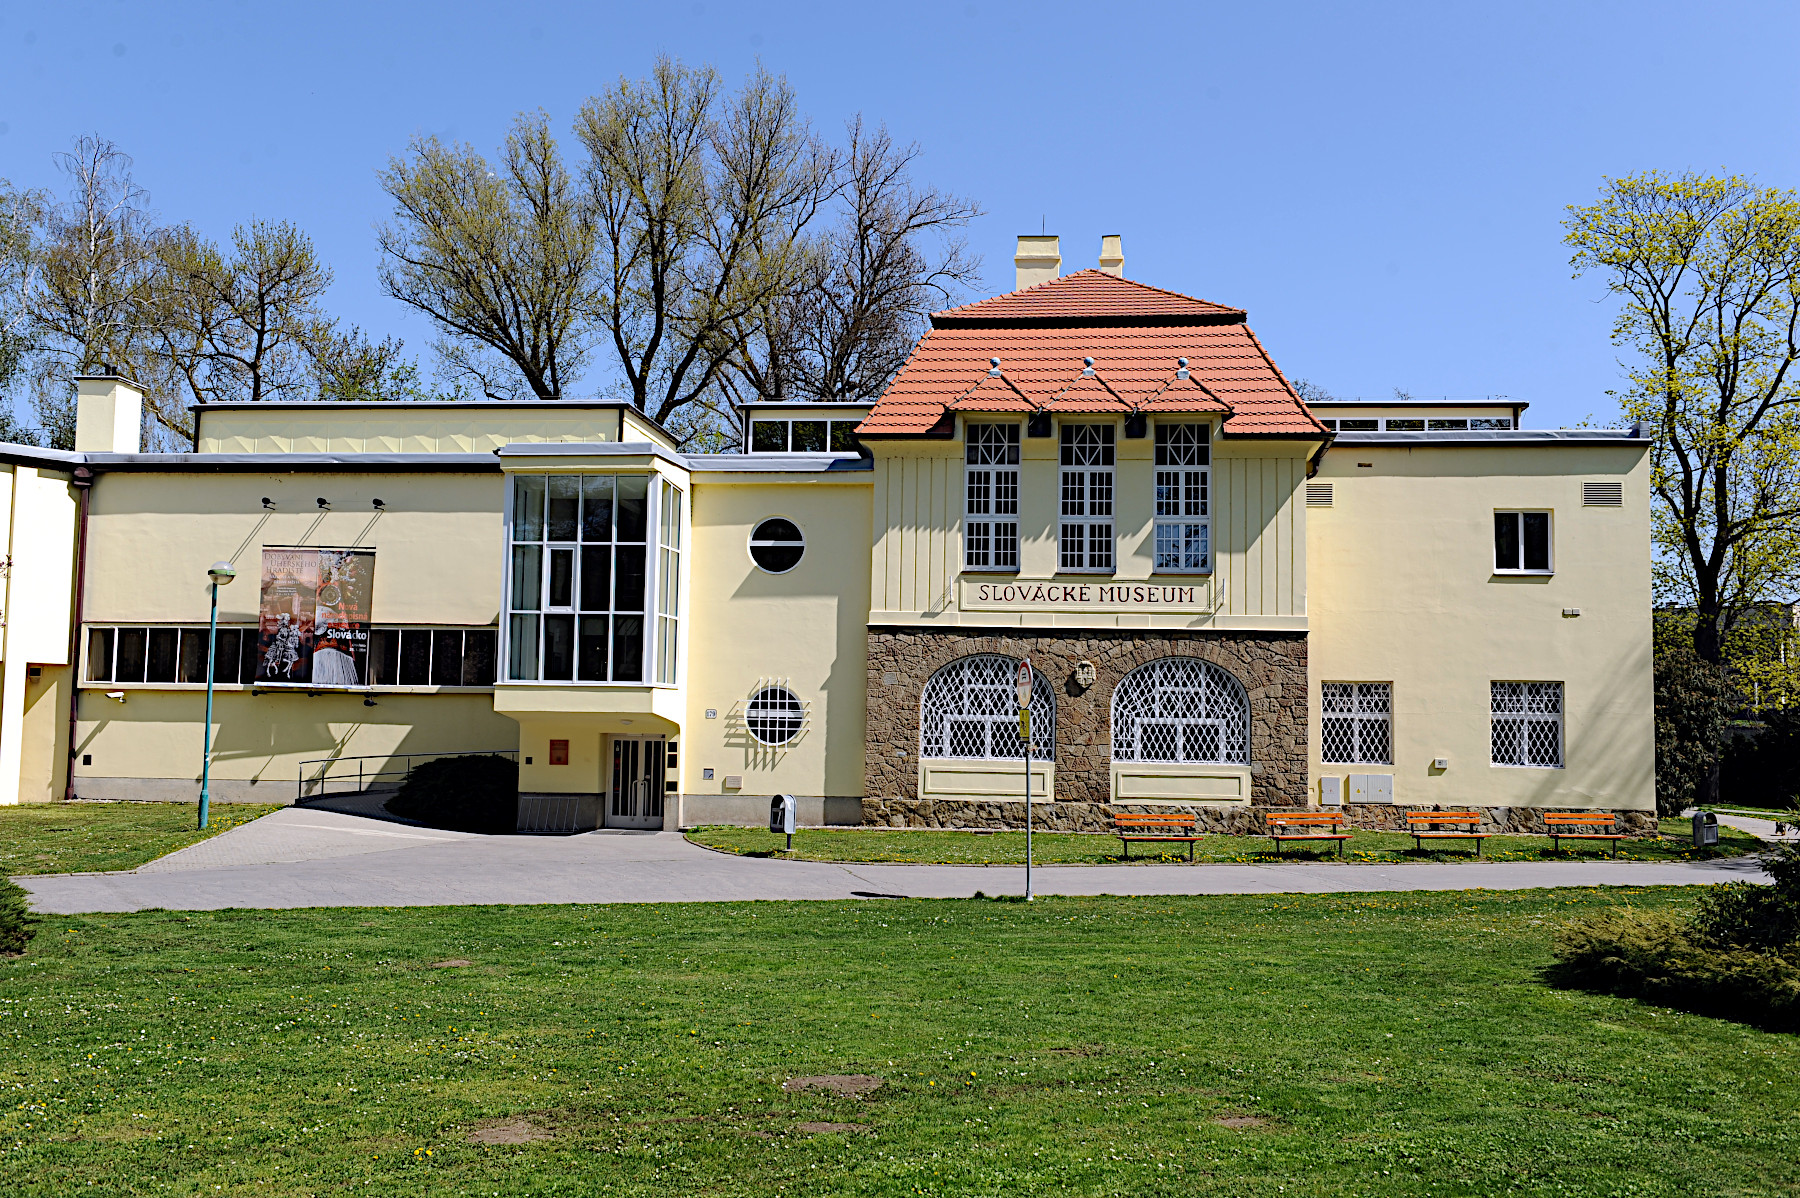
(1181, 709)
(970, 709)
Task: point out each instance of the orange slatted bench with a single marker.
(1307, 826)
(1156, 827)
(1425, 825)
(1599, 827)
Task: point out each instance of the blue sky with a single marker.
(1380, 185)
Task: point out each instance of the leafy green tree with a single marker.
(1707, 274)
(1694, 702)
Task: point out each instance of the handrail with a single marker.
(366, 777)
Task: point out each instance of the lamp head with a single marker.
(324, 503)
(379, 506)
(268, 504)
(221, 573)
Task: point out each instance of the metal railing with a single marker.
(359, 775)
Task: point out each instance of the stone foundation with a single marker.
(1270, 665)
(1222, 821)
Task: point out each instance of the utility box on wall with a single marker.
(1331, 792)
(1371, 788)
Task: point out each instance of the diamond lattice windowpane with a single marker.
(1202, 703)
(968, 710)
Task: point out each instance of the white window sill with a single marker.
(1507, 765)
(1524, 573)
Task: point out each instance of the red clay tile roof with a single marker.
(1134, 333)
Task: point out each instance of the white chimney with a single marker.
(1038, 260)
(109, 413)
(1112, 255)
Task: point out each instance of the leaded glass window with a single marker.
(1528, 724)
(1181, 709)
(991, 499)
(970, 709)
(1356, 723)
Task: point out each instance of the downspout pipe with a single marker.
(83, 482)
(1312, 463)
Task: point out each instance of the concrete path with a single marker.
(307, 857)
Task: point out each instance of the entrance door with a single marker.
(636, 800)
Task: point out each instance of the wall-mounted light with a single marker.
(379, 506)
(368, 702)
(116, 696)
(268, 504)
(324, 504)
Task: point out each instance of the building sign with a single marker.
(1194, 597)
(313, 628)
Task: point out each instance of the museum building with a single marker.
(1232, 600)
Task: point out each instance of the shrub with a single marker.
(468, 794)
(1693, 712)
(15, 918)
(1763, 770)
(1738, 956)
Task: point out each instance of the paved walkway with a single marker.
(307, 857)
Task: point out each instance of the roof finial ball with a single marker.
(993, 368)
(1087, 368)
(1087, 361)
(1183, 371)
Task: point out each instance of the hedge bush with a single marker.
(467, 794)
(1737, 956)
(15, 918)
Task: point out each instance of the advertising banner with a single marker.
(314, 625)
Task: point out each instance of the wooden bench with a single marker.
(1156, 827)
(1425, 825)
(1599, 827)
(1307, 826)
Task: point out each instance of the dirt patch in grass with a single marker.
(825, 1129)
(844, 1085)
(1080, 1050)
(452, 963)
(1240, 1122)
(514, 1129)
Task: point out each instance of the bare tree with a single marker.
(699, 202)
(1311, 392)
(95, 273)
(349, 366)
(498, 259)
(866, 284)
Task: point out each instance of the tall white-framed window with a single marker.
(1356, 723)
(1522, 543)
(1181, 709)
(991, 497)
(578, 577)
(1528, 724)
(668, 581)
(970, 709)
(1086, 540)
(1183, 500)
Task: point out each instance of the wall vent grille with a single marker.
(1318, 494)
(1602, 494)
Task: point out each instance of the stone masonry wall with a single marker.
(1270, 665)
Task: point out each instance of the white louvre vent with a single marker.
(1318, 494)
(1602, 494)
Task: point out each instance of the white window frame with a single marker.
(1086, 497)
(654, 500)
(990, 494)
(831, 424)
(975, 699)
(1183, 499)
(1181, 702)
(1511, 716)
(1368, 708)
(1518, 515)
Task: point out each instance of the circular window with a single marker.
(776, 545)
(774, 715)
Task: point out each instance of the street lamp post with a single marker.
(220, 573)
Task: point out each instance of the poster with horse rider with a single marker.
(314, 616)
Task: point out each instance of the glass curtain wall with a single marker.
(579, 582)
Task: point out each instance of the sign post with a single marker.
(1025, 735)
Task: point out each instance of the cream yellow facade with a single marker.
(664, 639)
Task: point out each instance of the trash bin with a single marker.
(1706, 829)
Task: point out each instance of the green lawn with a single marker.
(1294, 1045)
(66, 838)
(1081, 848)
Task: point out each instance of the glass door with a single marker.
(636, 799)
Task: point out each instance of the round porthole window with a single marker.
(776, 545)
(774, 715)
